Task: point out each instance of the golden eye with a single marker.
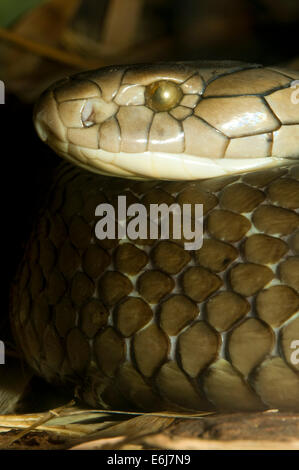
(162, 95)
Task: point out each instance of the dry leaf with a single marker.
(127, 431)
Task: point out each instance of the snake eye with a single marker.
(162, 95)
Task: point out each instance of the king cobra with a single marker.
(144, 323)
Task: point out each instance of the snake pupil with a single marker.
(163, 95)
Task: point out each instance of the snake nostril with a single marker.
(87, 114)
(96, 110)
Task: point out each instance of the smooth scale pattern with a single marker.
(146, 324)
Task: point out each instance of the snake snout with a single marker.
(46, 119)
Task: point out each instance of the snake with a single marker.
(138, 323)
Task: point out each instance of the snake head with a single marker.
(172, 120)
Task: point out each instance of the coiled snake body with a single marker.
(146, 323)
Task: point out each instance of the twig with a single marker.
(48, 52)
(44, 419)
(124, 16)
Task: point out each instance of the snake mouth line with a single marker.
(162, 166)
